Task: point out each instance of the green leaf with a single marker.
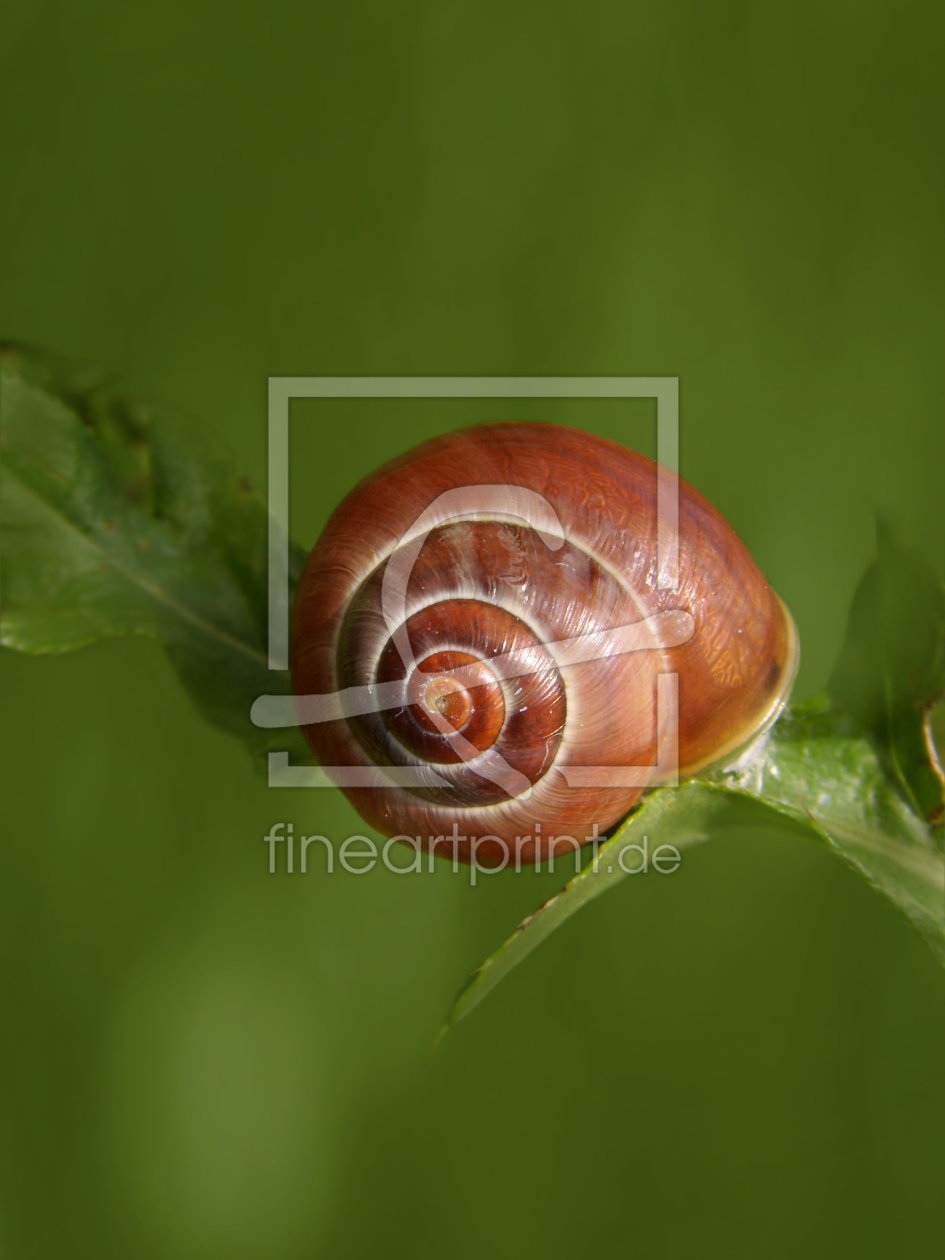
(891, 670)
(816, 768)
(119, 518)
(821, 769)
(679, 817)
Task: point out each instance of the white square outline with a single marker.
(284, 389)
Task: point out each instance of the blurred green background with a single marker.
(205, 1061)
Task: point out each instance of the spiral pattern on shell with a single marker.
(490, 613)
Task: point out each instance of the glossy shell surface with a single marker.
(494, 612)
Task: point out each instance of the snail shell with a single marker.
(490, 614)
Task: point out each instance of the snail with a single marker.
(504, 636)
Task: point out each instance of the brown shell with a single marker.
(507, 643)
